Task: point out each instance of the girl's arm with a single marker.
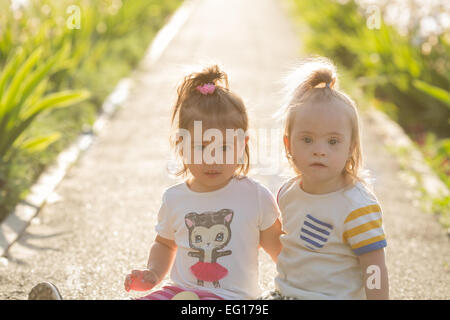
(269, 240)
(162, 254)
(161, 257)
(375, 275)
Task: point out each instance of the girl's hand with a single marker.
(141, 280)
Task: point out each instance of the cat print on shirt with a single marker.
(209, 232)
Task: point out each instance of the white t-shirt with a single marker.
(325, 233)
(217, 234)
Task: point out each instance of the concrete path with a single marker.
(103, 224)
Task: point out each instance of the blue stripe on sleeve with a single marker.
(371, 247)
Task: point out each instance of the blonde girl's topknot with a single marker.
(316, 72)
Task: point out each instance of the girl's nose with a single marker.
(319, 154)
(319, 151)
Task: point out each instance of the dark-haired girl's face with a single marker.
(213, 158)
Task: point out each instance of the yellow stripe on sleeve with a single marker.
(368, 241)
(362, 228)
(362, 211)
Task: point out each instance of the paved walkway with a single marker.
(104, 222)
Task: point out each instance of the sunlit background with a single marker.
(60, 60)
(55, 55)
(396, 54)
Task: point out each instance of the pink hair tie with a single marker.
(207, 88)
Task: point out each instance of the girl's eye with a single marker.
(332, 141)
(198, 239)
(219, 236)
(307, 139)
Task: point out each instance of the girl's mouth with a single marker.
(318, 165)
(212, 174)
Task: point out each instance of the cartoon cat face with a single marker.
(209, 230)
(209, 238)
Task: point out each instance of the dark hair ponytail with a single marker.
(188, 87)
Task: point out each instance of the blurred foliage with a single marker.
(436, 152)
(390, 66)
(21, 88)
(407, 75)
(50, 51)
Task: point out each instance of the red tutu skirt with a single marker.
(208, 271)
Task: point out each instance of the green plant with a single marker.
(113, 37)
(437, 153)
(23, 98)
(433, 91)
(390, 66)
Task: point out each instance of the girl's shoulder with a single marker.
(252, 185)
(174, 190)
(286, 186)
(247, 182)
(178, 187)
(361, 195)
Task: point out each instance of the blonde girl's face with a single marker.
(320, 145)
(219, 160)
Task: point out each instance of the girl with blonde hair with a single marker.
(333, 246)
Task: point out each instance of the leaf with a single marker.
(37, 93)
(39, 143)
(436, 92)
(7, 72)
(11, 93)
(56, 100)
(8, 107)
(51, 101)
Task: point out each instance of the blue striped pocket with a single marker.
(315, 233)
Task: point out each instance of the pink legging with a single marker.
(167, 293)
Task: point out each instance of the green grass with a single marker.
(99, 57)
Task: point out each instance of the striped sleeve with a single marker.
(363, 229)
